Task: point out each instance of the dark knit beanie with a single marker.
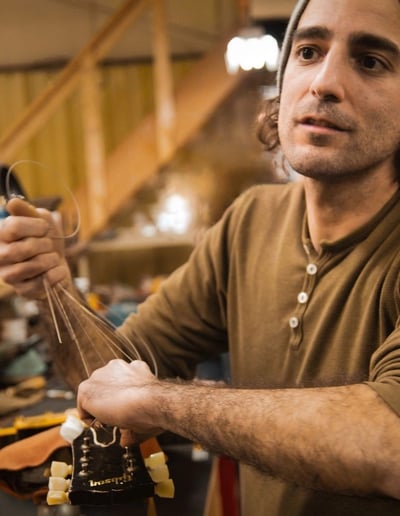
(287, 41)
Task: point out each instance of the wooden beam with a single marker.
(163, 82)
(136, 160)
(45, 104)
(93, 139)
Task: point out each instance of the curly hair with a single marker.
(267, 120)
(267, 124)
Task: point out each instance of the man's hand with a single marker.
(31, 248)
(121, 394)
(293, 434)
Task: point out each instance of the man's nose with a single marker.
(329, 81)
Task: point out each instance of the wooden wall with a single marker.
(127, 95)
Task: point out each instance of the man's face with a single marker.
(340, 102)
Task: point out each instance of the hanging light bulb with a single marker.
(252, 49)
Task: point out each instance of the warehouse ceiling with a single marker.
(37, 32)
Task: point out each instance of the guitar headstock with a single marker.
(104, 473)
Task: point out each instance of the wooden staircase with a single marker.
(112, 180)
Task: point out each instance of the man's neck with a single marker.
(335, 209)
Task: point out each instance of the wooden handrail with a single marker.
(45, 104)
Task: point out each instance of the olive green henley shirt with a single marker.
(290, 318)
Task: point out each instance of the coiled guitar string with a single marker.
(100, 332)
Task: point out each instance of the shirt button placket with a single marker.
(312, 269)
(302, 299)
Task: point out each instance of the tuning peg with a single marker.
(157, 467)
(57, 498)
(165, 489)
(58, 484)
(155, 460)
(71, 428)
(60, 469)
(159, 473)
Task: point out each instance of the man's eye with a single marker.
(307, 53)
(372, 63)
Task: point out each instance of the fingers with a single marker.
(21, 208)
(128, 438)
(21, 250)
(34, 288)
(29, 251)
(119, 394)
(23, 265)
(84, 416)
(15, 228)
(25, 221)
(141, 368)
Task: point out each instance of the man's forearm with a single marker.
(342, 439)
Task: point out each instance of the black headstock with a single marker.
(104, 473)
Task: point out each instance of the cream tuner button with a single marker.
(71, 428)
(57, 498)
(58, 484)
(159, 474)
(165, 489)
(155, 460)
(60, 469)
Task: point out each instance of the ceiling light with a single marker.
(251, 49)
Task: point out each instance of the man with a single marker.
(300, 281)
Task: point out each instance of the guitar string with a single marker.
(54, 301)
(99, 331)
(105, 333)
(9, 194)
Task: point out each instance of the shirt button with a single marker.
(302, 298)
(312, 269)
(293, 322)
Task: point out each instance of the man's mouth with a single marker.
(326, 121)
(320, 122)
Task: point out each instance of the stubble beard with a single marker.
(352, 153)
(323, 163)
